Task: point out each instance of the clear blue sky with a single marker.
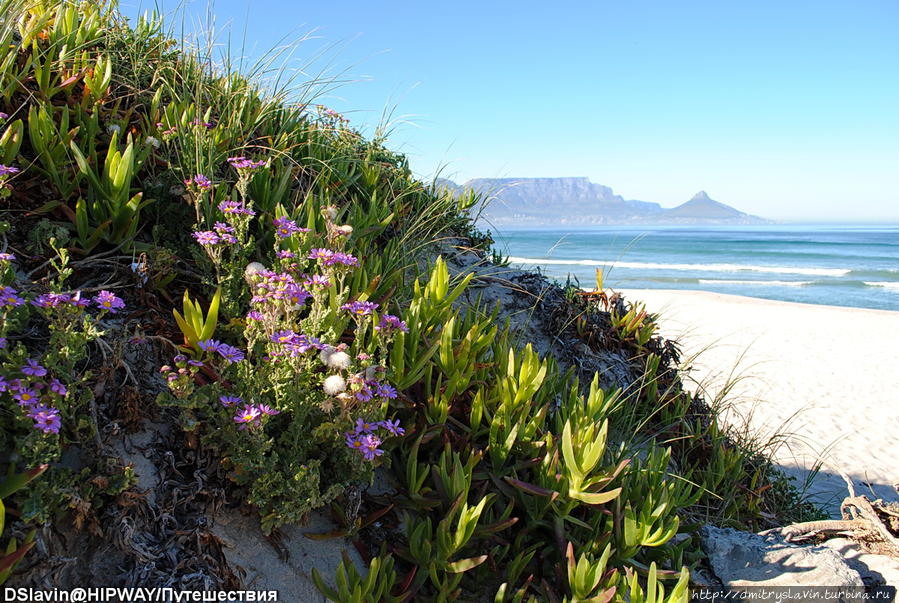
(785, 109)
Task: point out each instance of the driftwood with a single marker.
(874, 525)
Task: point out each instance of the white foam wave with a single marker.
(703, 281)
(891, 285)
(702, 267)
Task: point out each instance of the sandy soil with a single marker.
(827, 376)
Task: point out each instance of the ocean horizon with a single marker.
(852, 265)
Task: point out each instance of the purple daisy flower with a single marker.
(363, 426)
(286, 255)
(235, 208)
(9, 297)
(209, 345)
(4, 384)
(317, 280)
(2, 343)
(320, 254)
(370, 444)
(383, 390)
(230, 353)
(249, 414)
(242, 163)
(284, 227)
(33, 368)
(107, 300)
(393, 427)
(206, 237)
(360, 308)
(354, 442)
(6, 170)
(26, 397)
(200, 181)
(268, 410)
(254, 315)
(230, 401)
(390, 323)
(7, 257)
(195, 363)
(47, 420)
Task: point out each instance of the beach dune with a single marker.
(828, 376)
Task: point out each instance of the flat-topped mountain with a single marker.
(577, 201)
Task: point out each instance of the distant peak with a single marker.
(701, 196)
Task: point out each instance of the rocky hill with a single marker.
(577, 201)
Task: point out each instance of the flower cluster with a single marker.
(366, 441)
(329, 257)
(251, 415)
(199, 182)
(276, 293)
(389, 324)
(235, 208)
(285, 227)
(35, 395)
(365, 390)
(229, 353)
(360, 308)
(105, 300)
(293, 344)
(242, 163)
(180, 378)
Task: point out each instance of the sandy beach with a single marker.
(828, 376)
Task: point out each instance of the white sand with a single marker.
(828, 375)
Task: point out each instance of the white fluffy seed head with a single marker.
(339, 360)
(329, 212)
(326, 353)
(251, 270)
(334, 385)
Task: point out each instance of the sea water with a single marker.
(854, 266)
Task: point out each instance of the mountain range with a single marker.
(577, 201)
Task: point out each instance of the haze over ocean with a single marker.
(856, 266)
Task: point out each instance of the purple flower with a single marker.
(229, 401)
(2, 343)
(286, 255)
(296, 294)
(364, 394)
(363, 426)
(200, 181)
(242, 163)
(106, 300)
(8, 257)
(360, 308)
(206, 124)
(195, 363)
(284, 336)
(317, 280)
(33, 369)
(58, 388)
(393, 427)
(209, 345)
(78, 302)
(370, 448)
(383, 390)
(249, 414)
(254, 315)
(344, 259)
(230, 353)
(46, 419)
(4, 384)
(3, 115)
(284, 227)
(222, 227)
(354, 442)
(26, 397)
(9, 297)
(206, 237)
(235, 208)
(390, 323)
(5, 170)
(268, 410)
(320, 254)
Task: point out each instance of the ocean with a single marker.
(855, 266)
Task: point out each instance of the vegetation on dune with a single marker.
(314, 336)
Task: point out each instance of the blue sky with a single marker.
(785, 109)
